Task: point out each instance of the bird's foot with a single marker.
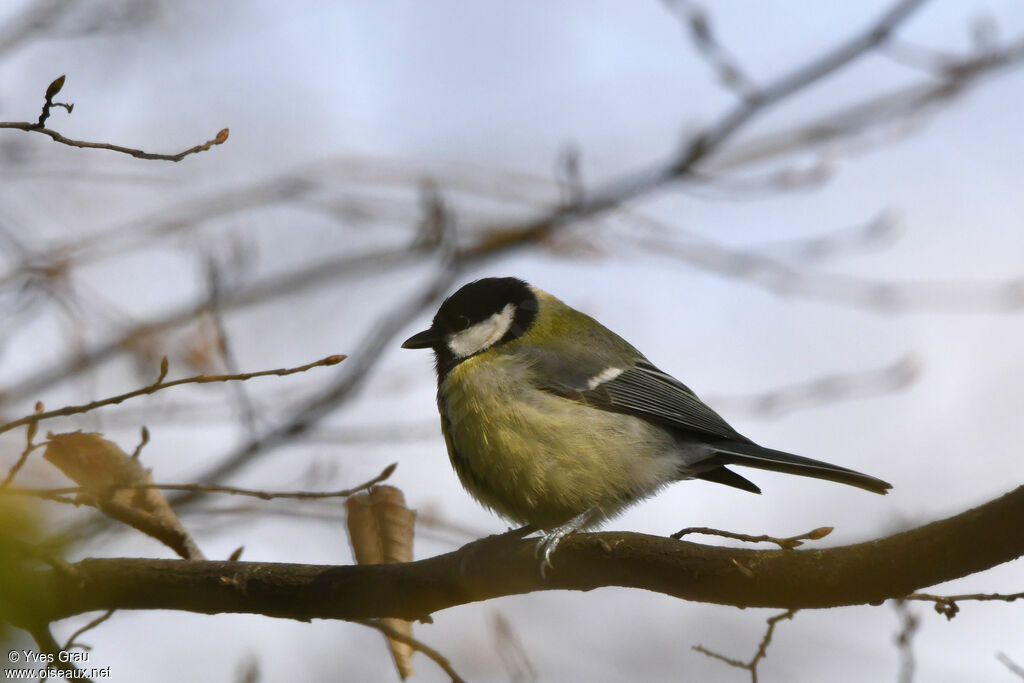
(549, 541)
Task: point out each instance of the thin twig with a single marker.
(143, 440)
(160, 384)
(914, 56)
(725, 66)
(88, 627)
(905, 641)
(391, 632)
(29, 447)
(58, 494)
(762, 648)
(219, 139)
(784, 279)
(947, 606)
(511, 650)
(31, 550)
(246, 407)
(784, 543)
(823, 390)
(569, 175)
(48, 104)
(878, 232)
(1013, 666)
(48, 645)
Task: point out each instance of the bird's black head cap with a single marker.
(481, 314)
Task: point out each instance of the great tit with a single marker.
(554, 421)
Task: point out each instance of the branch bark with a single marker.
(870, 572)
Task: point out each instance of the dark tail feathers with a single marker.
(752, 455)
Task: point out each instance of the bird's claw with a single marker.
(549, 541)
(545, 549)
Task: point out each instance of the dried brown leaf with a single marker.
(107, 475)
(92, 462)
(380, 529)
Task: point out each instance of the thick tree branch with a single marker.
(495, 566)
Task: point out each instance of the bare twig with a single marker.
(246, 407)
(947, 606)
(160, 384)
(143, 440)
(873, 294)
(785, 543)
(825, 389)
(905, 641)
(40, 553)
(569, 175)
(711, 49)
(220, 138)
(88, 627)
(47, 644)
(1013, 666)
(762, 648)
(30, 434)
(16, 467)
(906, 53)
(880, 231)
(58, 494)
(510, 648)
(391, 632)
(786, 178)
(435, 218)
(48, 104)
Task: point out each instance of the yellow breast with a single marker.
(539, 458)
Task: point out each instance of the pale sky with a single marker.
(481, 91)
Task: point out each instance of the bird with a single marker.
(555, 422)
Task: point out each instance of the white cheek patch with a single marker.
(606, 375)
(483, 335)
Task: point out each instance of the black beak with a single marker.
(422, 340)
